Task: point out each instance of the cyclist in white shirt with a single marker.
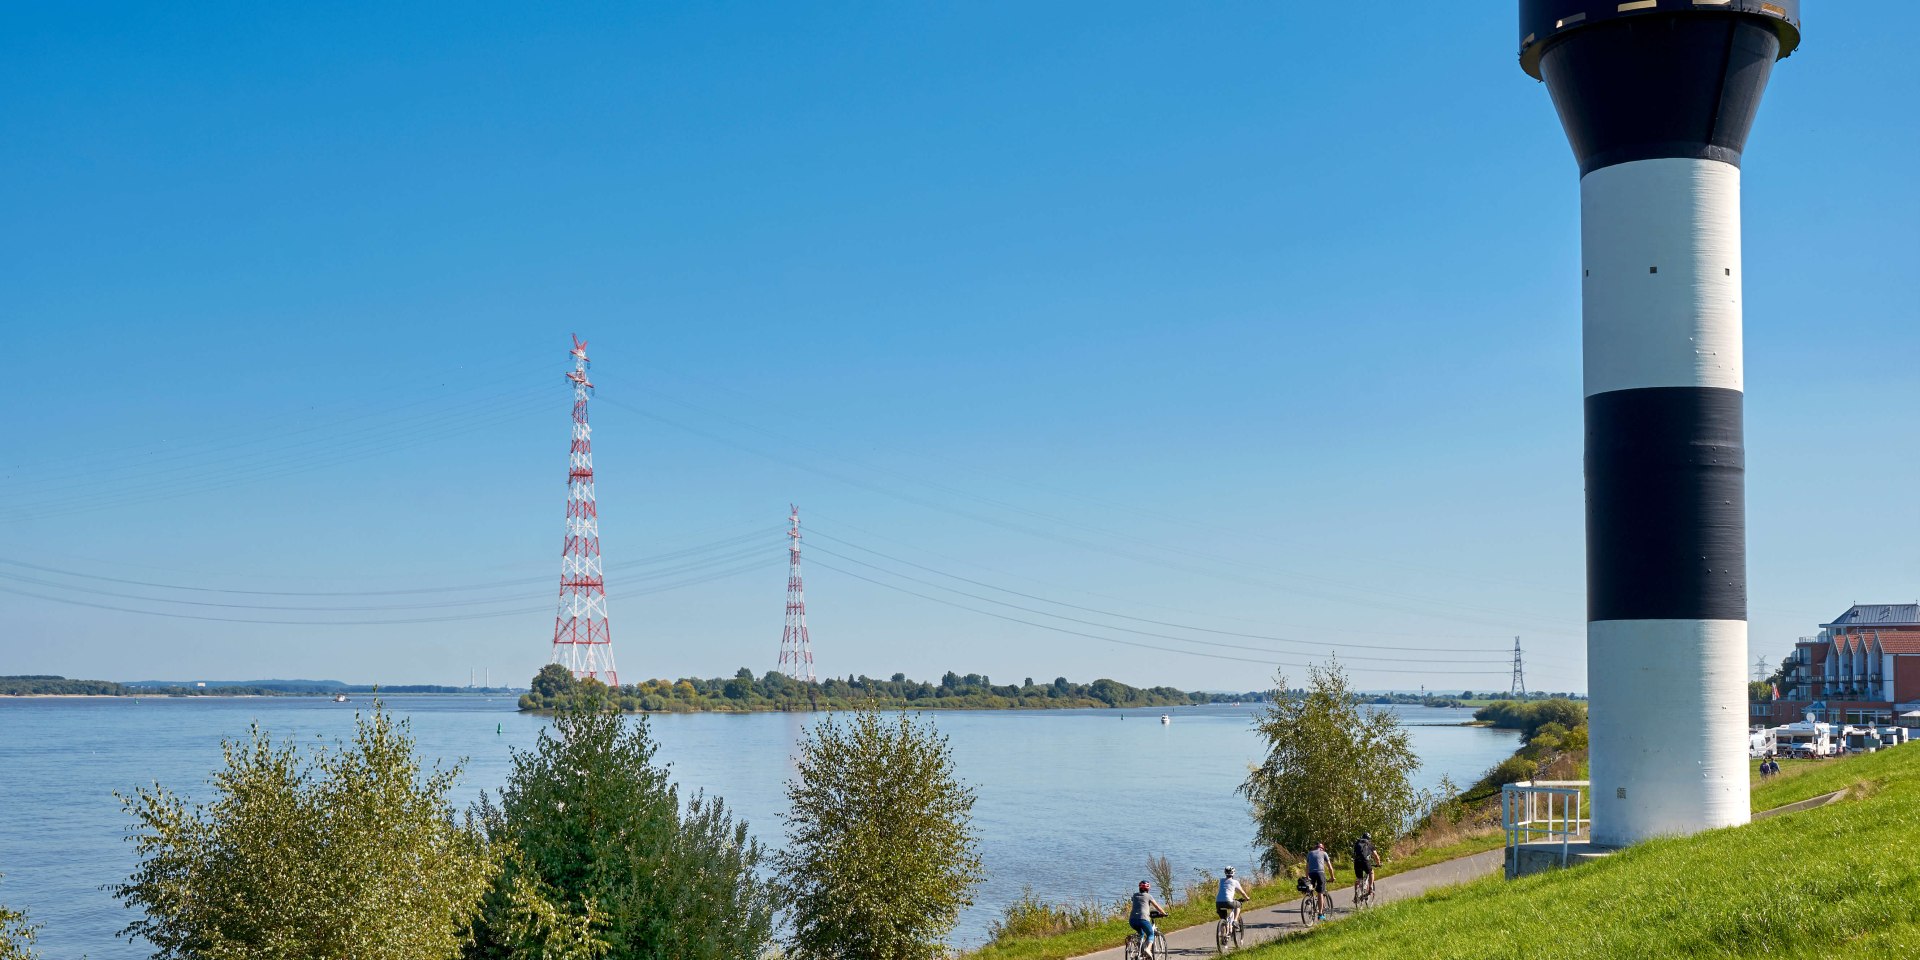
(1227, 902)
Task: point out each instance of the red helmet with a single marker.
(1144, 885)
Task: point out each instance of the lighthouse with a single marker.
(1657, 98)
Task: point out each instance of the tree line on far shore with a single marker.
(555, 688)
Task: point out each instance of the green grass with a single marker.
(1826, 883)
(1802, 780)
(1113, 933)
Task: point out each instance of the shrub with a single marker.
(881, 855)
(17, 936)
(1030, 916)
(599, 832)
(1332, 770)
(348, 852)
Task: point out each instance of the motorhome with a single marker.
(1859, 739)
(1761, 742)
(1806, 739)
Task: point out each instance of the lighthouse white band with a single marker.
(1660, 245)
(1668, 728)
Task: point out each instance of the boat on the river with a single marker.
(1166, 718)
(339, 698)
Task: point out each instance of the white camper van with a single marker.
(1806, 739)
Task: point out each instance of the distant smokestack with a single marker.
(1657, 97)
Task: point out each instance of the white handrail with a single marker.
(1542, 809)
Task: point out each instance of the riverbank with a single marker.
(1825, 882)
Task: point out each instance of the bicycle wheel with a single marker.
(1307, 914)
(1220, 936)
(1239, 930)
(1132, 951)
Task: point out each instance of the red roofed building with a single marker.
(1863, 668)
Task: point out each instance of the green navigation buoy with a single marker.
(496, 727)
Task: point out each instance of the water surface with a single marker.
(1071, 802)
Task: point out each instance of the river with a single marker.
(1072, 802)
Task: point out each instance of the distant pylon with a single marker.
(796, 651)
(1519, 674)
(581, 641)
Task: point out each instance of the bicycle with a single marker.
(1309, 902)
(1363, 892)
(1229, 931)
(1152, 951)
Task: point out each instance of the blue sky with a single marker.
(1254, 318)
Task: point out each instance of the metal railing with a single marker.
(1542, 810)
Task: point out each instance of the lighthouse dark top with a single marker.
(1656, 78)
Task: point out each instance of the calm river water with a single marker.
(1071, 802)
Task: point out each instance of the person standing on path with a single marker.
(1319, 871)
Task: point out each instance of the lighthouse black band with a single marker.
(1666, 505)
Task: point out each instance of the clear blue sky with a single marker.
(1261, 318)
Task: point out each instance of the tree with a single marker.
(552, 682)
(346, 852)
(17, 936)
(1332, 770)
(594, 837)
(881, 854)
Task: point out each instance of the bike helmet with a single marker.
(1229, 871)
(1366, 836)
(1144, 885)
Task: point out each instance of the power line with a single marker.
(547, 609)
(1144, 633)
(655, 559)
(1116, 640)
(1123, 616)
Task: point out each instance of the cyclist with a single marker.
(1365, 858)
(1227, 902)
(1140, 916)
(1319, 871)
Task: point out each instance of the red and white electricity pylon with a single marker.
(796, 651)
(581, 641)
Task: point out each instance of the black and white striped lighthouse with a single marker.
(1657, 97)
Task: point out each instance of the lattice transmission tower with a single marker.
(1519, 673)
(581, 640)
(796, 650)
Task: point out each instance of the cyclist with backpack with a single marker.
(1365, 858)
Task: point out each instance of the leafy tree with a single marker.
(597, 847)
(881, 852)
(349, 851)
(539, 929)
(552, 681)
(17, 936)
(1332, 770)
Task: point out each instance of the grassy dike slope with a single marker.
(1838, 881)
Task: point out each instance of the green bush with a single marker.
(17, 936)
(881, 853)
(348, 852)
(596, 825)
(1031, 916)
(1332, 770)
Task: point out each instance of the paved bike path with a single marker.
(1268, 923)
